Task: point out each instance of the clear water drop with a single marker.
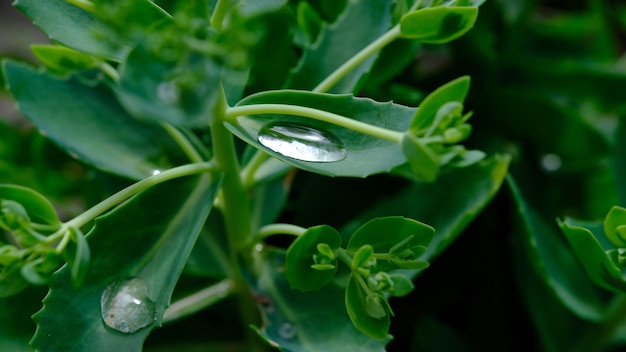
(302, 142)
(155, 172)
(287, 331)
(168, 93)
(126, 307)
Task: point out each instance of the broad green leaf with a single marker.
(74, 27)
(362, 22)
(152, 89)
(38, 207)
(423, 161)
(300, 258)
(146, 239)
(593, 257)
(90, 124)
(209, 256)
(293, 323)
(438, 25)
(468, 191)
(356, 304)
(455, 90)
(364, 155)
(555, 263)
(16, 325)
(385, 233)
(62, 59)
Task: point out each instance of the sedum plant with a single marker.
(204, 111)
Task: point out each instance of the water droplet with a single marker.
(287, 331)
(155, 172)
(258, 247)
(168, 93)
(125, 305)
(302, 142)
(551, 162)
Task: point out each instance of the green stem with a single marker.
(108, 70)
(199, 301)
(117, 198)
(280, 229)
(183, 142)
(217, 18)
(320, 115)
(247, 174)
(358, 59)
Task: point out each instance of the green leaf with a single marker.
(77, 255)
(250, 8)
(615, 226)
(619, 161)
(454, 91)
(468, 191)
(16, 325)
(402, 285)
(384, 233)
(38, 207)
(597, 264)
(151, 89)
(90, 124)
(11, 279)
(361, 23)
(423, 161)
(438, 25)
(74, 27)
(151, 236)
(359, 311)
(556, 264)
(62, 59)
(365, 155)
(292, 323)
(300, 258)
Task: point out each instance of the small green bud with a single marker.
(364, 258)
(13, 216)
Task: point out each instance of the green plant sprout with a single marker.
(157, 96)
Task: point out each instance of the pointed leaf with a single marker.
(423, 161)
(455, 90)
(364, 155)
(89, 123)
(555, 263)
(144, 242)
(438, 25)
(38, 207)
(77, 255)
(62, 59)
(361, 23)
(614, 221)
(300, 258)
(596, 262)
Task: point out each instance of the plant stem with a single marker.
(199, 300)
(117, 198)
(183, 142)
(358, 59)
(247, 174)
(320, 115)
(217, 18)
(280, 229)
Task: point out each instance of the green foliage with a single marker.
(177, 176)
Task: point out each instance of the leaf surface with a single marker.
(149, 238)
(89, 123)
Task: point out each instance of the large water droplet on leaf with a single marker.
(126, 307)
(302, 142)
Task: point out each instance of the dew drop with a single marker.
(168, 93)
(125, 305)
(551, 162)
(302, 142)
(287, 331)
(155, 172)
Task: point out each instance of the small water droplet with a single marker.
(155, 172)
(551, 162)
(125, 305)
(287, 331)
(302, 142)
(168, 93)
(258, 247)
